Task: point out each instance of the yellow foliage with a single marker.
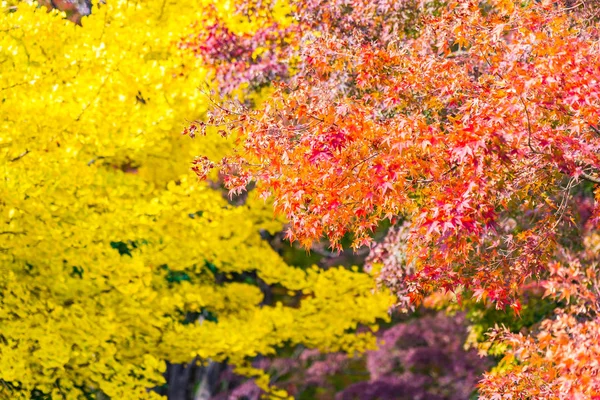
(107, 243)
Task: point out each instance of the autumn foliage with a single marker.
(476, 130)
(115, 261)
(473, 129)
(454, 145)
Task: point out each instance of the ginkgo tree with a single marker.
(471, 126)
(114, 259)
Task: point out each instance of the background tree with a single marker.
(419, 357)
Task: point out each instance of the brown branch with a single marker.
(17, 158)
(13, 86)
(85, 107)
(529, 133)
(590, 178)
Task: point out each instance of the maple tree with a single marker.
(115, 260)
(476, 130)
(472, 127)
(559, 359)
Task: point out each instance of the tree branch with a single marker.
(17, 158)
(590, 178)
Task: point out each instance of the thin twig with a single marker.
(17, 158)
(529, 133)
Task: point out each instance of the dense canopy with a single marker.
(474, 129)
(357, 160)
(114, 258)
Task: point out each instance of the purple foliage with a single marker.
(390, 388)
(429, 350)
(235, 57)
(378, 22)
(423, 358)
